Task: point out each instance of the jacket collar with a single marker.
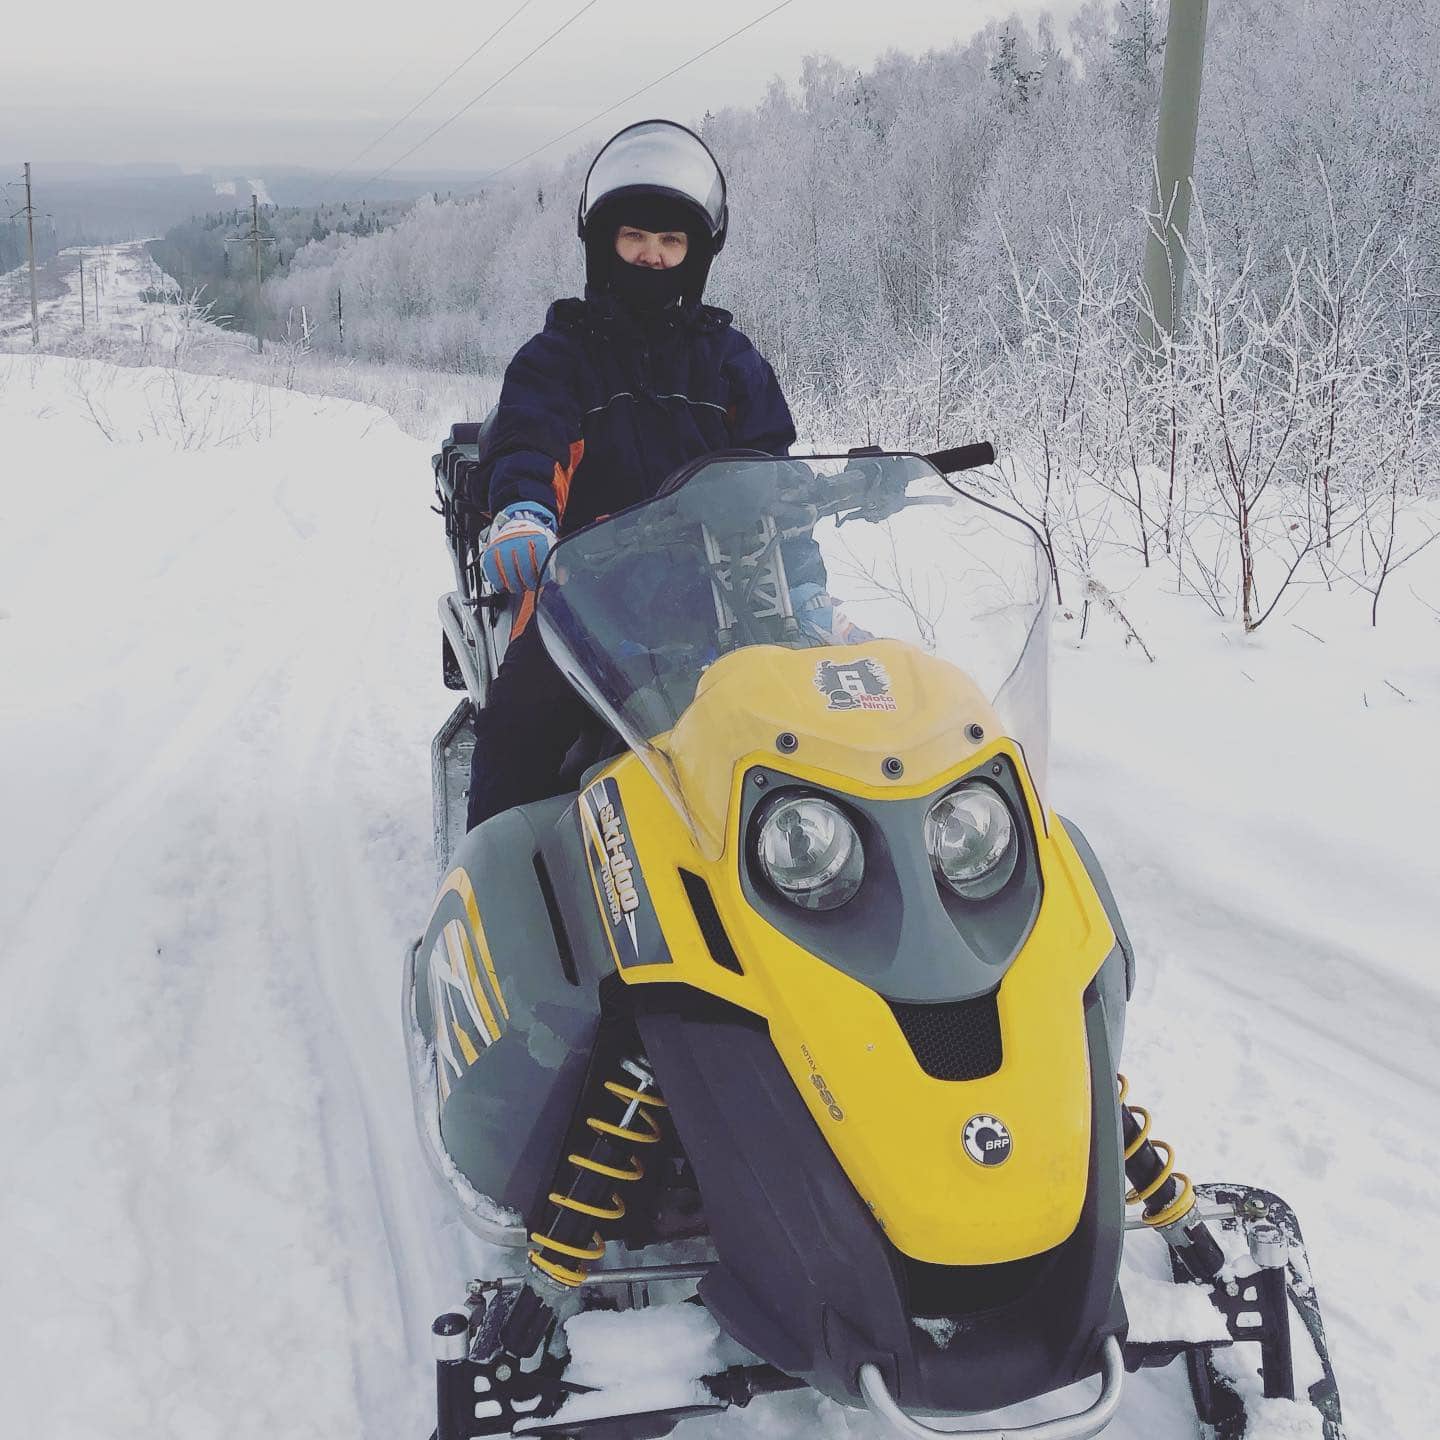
(604, 315)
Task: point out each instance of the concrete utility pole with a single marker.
(30, 236)
(82, 290)
(1174, 167)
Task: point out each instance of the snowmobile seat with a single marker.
(467, 432)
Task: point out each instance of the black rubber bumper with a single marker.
(807, 1279)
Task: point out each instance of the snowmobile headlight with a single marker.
(810, 852)
(973, 841)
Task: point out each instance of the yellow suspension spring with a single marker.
(585, 1254)
(1184, 1198)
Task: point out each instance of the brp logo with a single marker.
(987, 1141)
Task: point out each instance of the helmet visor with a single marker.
(658, 156)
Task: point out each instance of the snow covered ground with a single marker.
(218, 682)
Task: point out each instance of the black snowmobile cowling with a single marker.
(808, 972)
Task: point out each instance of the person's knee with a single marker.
(525, 728)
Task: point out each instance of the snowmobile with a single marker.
(782, 1049)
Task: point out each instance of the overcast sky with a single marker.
(309, 83)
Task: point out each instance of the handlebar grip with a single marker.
(963, 457)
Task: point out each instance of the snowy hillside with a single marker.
(219, 676)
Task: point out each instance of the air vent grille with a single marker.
(954, 1040)
(722, 952)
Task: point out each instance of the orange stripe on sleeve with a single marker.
(564, 474)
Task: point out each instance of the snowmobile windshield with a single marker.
(832, 552)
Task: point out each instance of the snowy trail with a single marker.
(218, 680)
(115, 276)
(211, 866)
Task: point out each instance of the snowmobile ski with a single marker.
(1279, 1291)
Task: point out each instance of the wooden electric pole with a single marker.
(1169, 216)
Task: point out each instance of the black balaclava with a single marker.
(641, 288)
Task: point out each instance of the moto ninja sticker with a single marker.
(861, 684)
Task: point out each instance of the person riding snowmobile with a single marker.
(617, 391)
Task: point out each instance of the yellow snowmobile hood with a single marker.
(968, 1172)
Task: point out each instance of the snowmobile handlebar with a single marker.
(786, 488)
(962, 457)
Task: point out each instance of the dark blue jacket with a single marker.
(600, 407)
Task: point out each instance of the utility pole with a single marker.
(82, 290)
(257, 240)
(340, 314)
(30, 237)
(1169, 216)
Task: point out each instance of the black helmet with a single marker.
(656, 175)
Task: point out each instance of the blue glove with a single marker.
(822, 620)
(520, 538)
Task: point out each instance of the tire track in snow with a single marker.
(315, 903)
(102, 830)
(329, 790)
(168, 1196)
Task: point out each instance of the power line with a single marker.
(635, 94)
(434, 90)
(470, 104)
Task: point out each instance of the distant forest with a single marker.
(212, 253)
(13, 243)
